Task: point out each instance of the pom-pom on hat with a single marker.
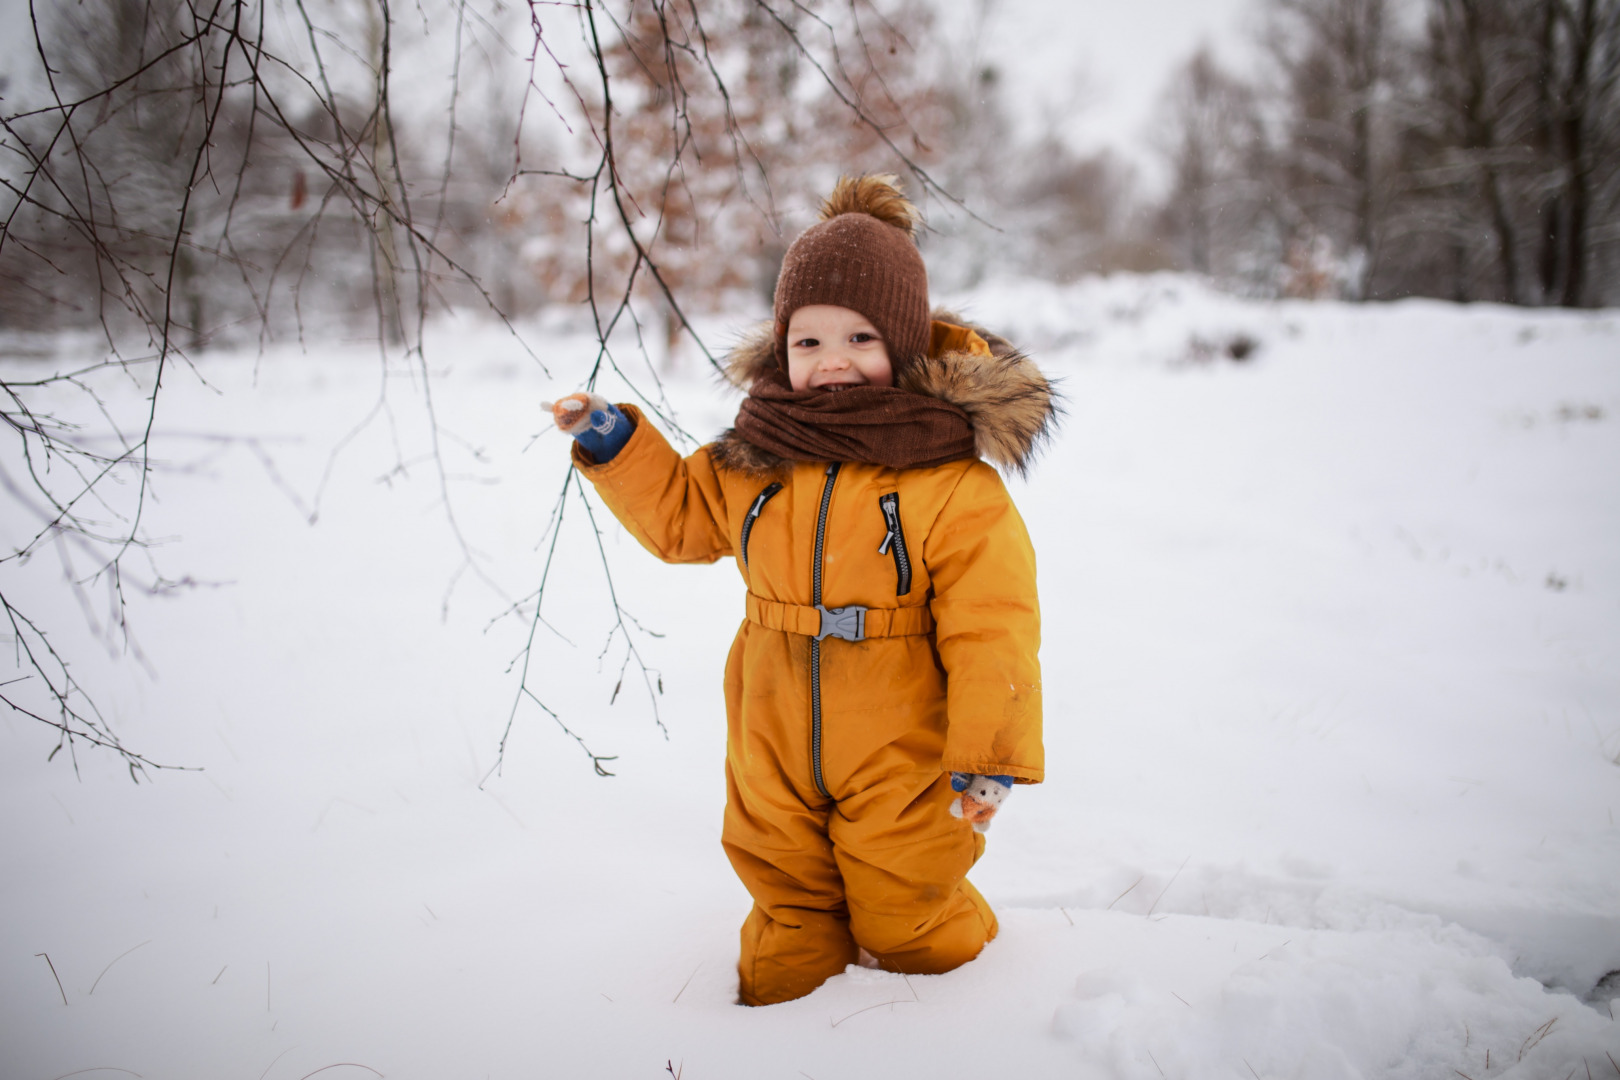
(862, 255)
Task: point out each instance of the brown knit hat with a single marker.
(862, 255)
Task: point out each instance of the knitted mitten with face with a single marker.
(980, 798)
(598, 426)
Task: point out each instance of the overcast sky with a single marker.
(1097, 67)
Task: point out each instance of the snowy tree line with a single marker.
(334, 156)
(1472, 155)
(238, 169)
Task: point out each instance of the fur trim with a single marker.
(1010, 404)
(878, 195)
(751, 357)
(1007, 399)
(732, 451)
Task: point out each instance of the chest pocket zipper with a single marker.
(894, 542)
(753, 515)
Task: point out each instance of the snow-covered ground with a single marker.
(1332, 663)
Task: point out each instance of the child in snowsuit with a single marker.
(888, 658)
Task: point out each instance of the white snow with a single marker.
(1332, 677)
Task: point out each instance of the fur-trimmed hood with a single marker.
(1010, 404)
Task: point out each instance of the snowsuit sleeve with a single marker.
(988, 630)
(675, 506)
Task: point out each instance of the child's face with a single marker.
(830, 348)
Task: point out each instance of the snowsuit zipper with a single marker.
(815, 644)
(894, 542)
(753, 515)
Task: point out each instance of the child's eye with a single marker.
(806, 343)
(862, 337)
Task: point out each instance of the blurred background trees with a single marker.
(1471, 153)
(453, 157)
(1466, 149)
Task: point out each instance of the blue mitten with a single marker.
(591, 419)
(980, 798)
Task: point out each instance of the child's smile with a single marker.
(834, 348)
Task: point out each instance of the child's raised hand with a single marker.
(590, 418)
(980, 798)
(573, 412)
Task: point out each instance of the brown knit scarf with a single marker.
(878, 425)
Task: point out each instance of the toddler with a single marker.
(883, 694)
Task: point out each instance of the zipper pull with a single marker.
(891, 521)
(759, 505)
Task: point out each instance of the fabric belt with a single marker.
(852, 623)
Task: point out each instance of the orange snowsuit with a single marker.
(838, 750)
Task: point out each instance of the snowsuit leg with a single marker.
(797, 936)
(904, 861)
(884, 865)
(874, 870)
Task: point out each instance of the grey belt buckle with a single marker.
(848, 623)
